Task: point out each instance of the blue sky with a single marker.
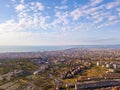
(59, 22)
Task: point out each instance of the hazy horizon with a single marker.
(63, 45)
(15, 49)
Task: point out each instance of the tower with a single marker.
(75, 84)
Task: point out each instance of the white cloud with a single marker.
(64, 1)
(112, 4)
(13, 1)
(118, 9)
(30, 16)
(62, 17)
(91, 10)
(95, 2)
(85, 11)
(39, 6)
(35, 7)
(42, 22)
(76, 14)
(112, 18)
(98, 15)
(24, 24)
(8, 26)
(22, 1)
(98, 20)
(110, 23)
(24, 9)
(61, 7)
(20, 7)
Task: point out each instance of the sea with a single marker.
(4, 49)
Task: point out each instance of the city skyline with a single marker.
(59, 22)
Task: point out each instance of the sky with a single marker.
(59, 22)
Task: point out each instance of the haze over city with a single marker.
(59, 22)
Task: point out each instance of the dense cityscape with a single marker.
(71, 69)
